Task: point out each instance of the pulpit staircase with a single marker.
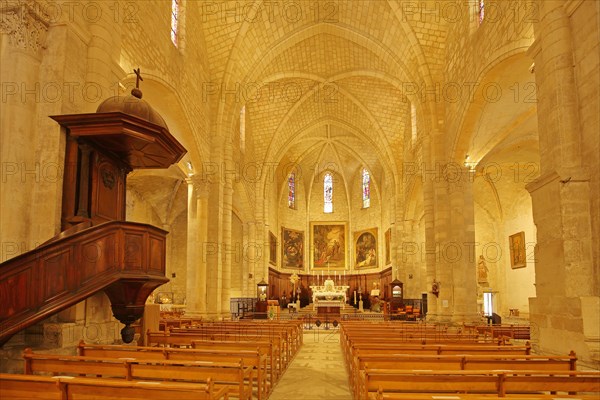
(97, 249)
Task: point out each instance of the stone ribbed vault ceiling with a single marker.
(329, 76)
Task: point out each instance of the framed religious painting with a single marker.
(365, 249)
(516, 245)
(272, 249)
(292, 248)
(388, 246)
(329, 245)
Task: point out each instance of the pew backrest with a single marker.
(28, 387)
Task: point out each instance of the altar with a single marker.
(329, 295)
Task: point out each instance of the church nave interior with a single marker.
(432, 162)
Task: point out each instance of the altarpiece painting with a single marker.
(329, 245)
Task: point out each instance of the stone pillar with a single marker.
(245, 260)
(230, 249)
(192, 292)
(104, 50)
(23, 32)
(411, 260)
(461, 249)
(443, 267)
(252, 255)
(212, 247)
(564, 313)
(429, 245)
(196, 262)
(202, 191)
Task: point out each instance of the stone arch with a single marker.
(497, 75)
(498, 132)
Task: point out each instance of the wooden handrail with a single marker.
(125, 259)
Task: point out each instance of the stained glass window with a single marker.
(328, 193)
(292, 191)
(175, 22)
(366, 188)
(481, 11)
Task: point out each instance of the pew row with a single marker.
(380, 395)
(251, 357)
(402, 348)
(286, 337)
(495, 382)
(236, 377)
(28, 387)
(268, 349)
(457, 362)
(272, 347)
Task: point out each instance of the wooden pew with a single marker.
(185, 339)
(251, 357)
(292, 329)
(448, 345)
(29, 387)
(380, 395)
(235, 376)
(428, 334)
(265, 347)
(483, 381)
(413, 332)
(442, 349)
(25, 387)
(270, 347)
(283, 337)
(459, 362)
(521, 332)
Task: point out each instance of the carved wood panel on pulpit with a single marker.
(108, 190)
(94, 186)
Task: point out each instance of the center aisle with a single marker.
(317, 372)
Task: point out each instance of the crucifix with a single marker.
(136, 92)
(138, 78)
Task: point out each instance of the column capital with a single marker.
(26, 24)
(564, 175)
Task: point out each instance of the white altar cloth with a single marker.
(329, 294)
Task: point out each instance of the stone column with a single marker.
(429, 246)
(411, 260)
(245, 260)
(462, 252)
(443, 267)
(23, 32)
(212, 247)
(230, 249)
(193, 256)
(104, 49)
(252, 255)
(564, 313)
(202, 194)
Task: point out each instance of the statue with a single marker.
(482, 270)
(294, 280)
(375, 304)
